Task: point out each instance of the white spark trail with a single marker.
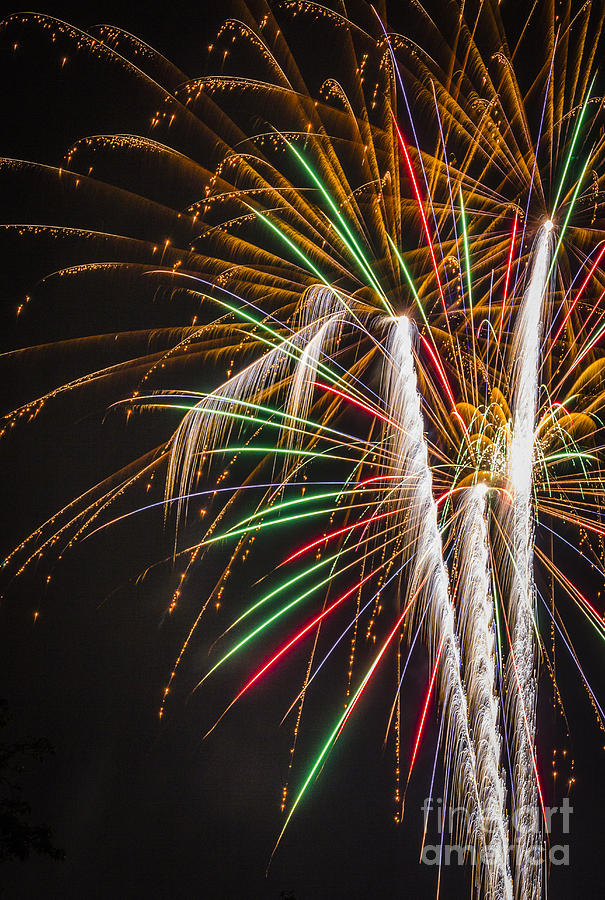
(477, 640)
(319, 305)
(320, 319)
(420, 521)
(522, 664)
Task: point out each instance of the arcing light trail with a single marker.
(390, 385)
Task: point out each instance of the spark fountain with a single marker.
(522, 664)
(430, 574)
(477, 639)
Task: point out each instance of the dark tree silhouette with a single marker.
(18, 836)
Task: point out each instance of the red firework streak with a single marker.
(579, 294)
(422, 214)
(508, 270)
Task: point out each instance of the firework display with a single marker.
(394, 258)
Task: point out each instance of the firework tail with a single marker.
(477, 639)
(419, 518)
(522, 663)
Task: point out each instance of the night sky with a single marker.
(143, 808)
